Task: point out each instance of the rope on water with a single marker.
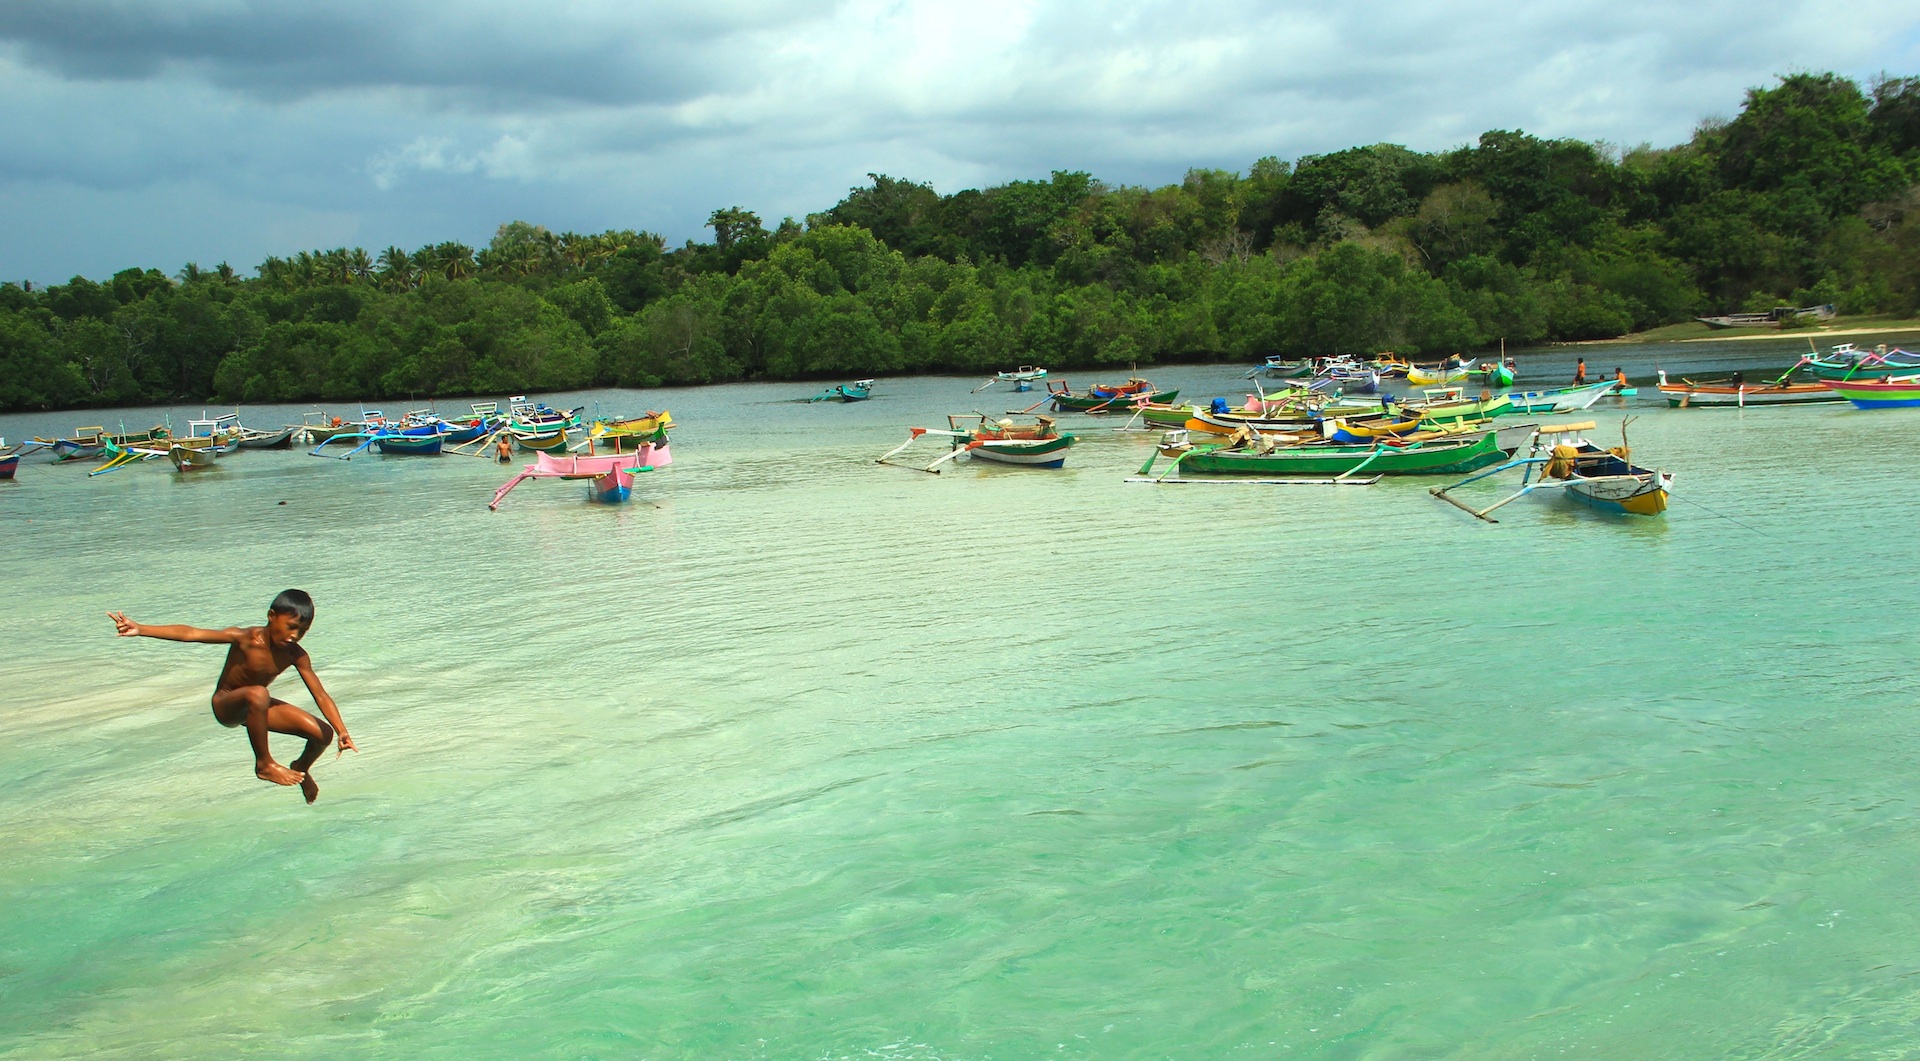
(1729, 519)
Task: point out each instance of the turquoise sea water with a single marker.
(797, 756)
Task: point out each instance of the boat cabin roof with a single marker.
(212, 425)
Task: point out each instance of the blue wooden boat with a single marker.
(423, 441)
(857, 391)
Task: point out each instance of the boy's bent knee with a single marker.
(326, 734)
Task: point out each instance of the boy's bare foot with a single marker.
(308, 788)
(278, 774)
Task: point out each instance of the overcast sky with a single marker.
(156, 132)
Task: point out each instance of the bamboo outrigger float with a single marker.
(1605, 479)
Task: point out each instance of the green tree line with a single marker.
(1810, 195)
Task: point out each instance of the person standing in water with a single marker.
(1580, 372)
(255, 657)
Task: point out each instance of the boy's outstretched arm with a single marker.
(304, 664)
(128, 628)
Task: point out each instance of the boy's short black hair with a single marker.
(294, 602)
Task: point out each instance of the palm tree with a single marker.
(396, 269)
(225, 274)
(360, 264)
(191, 274)
(305, 270)
(453, 260)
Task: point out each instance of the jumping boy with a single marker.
(255, 657)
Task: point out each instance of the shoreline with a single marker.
(1753, 335)
(1798, 332)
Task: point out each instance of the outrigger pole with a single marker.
(1527, 483)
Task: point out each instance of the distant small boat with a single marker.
(9, 461)
(857, 391)
(1770, 319)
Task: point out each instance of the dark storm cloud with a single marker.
(618, 54)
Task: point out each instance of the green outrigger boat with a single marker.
(1098, 399)
(1449, 456)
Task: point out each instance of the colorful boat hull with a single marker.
(609, 477)
(408, 445)
(192, 458)
(1026, 452)
(1447, 457)
(1892, 393)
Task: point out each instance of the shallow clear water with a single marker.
(801, 757)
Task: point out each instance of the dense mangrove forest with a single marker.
(1810, 195)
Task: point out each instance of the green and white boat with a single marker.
(1451, 456)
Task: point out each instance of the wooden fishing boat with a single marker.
(1364, 432)
(251, 439)
(86, 443)
(609, 476)
(621, 434)
(1493, 374)
(1390, 366)
(317, 427)
(9, 460)
(1298, 418)
(1559, 459)
(1349, 380)
(1100, 398)
(1022, 378)
(1847, 362)
(1561, 400)
(539, 418)
(118, 457)
(857, 391)
(483, 419)
(1439, 374)
(1445, 405)
(192, 458)
(539, 442)
(424, 441)
(1278, 367)
(1166, 415)
(1689, 394)
(1385, 457)
(1888, 392)
(1036, 445)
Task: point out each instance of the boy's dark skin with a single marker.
(255, 656)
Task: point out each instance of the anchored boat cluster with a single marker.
(606, 452)
(1330, 423)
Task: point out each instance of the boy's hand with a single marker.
(126, 627)
(345, 745)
